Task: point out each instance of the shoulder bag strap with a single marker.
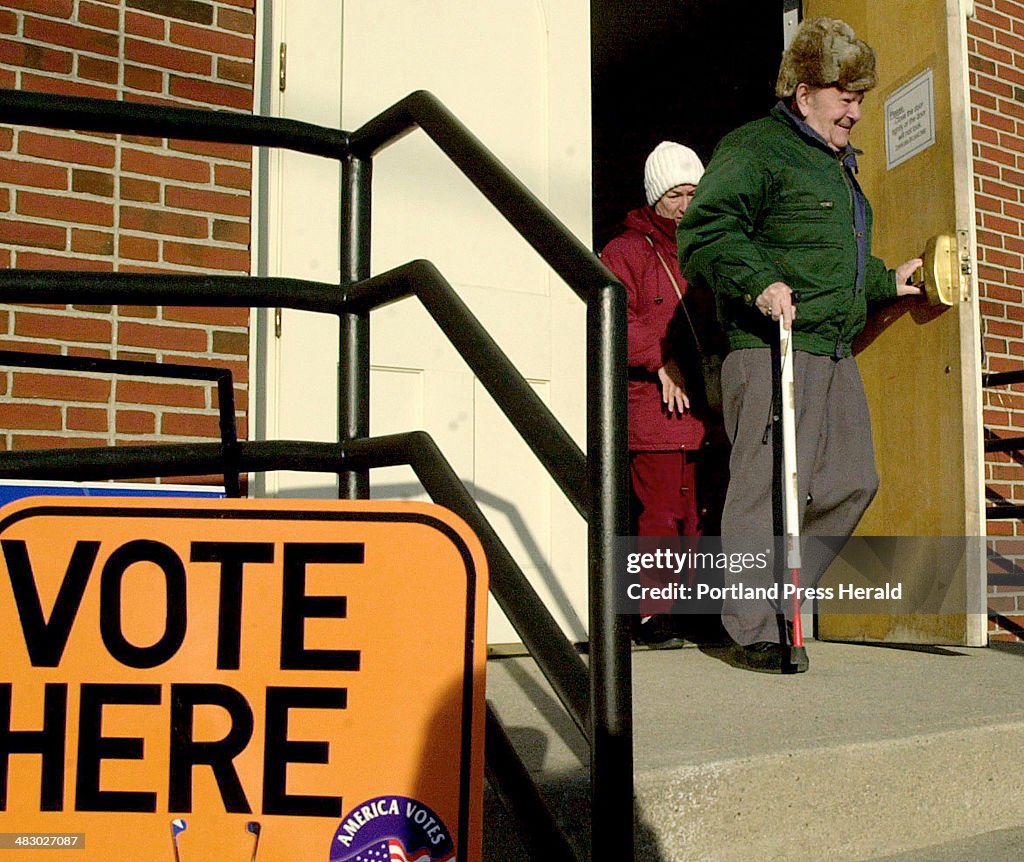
(679, 293)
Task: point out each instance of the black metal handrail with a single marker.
(144, 288)
(609, 716)
(1004, 444)
(530, 416)
(163, 121)
(570, 258)
(1002, 378)
(222, 377)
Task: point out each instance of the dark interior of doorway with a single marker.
(679, 70)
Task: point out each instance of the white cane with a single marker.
(790, 488)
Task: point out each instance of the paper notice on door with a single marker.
(910, 119)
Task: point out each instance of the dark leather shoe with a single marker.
(767, 657)
(659, 632)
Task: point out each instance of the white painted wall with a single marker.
(518, 75)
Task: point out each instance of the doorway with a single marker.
(678, 70)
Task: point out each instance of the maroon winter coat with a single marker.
(652, 302)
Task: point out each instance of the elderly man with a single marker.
(780, 228)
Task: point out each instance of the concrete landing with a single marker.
(878, 753)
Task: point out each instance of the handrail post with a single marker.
(611, 684)
(354, 328)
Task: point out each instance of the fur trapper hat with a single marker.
(826, 52)
(670, 165)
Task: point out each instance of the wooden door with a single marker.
(921, 365)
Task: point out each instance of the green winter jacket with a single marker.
(778, 204)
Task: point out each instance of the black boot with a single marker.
(659, 632)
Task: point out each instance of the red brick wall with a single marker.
(996, 56)
(124, 204)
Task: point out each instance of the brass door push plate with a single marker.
(945, 270)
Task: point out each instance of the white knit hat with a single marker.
(670, 165)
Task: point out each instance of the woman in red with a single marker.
(664, 431)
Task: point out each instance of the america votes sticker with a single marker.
(392, 829)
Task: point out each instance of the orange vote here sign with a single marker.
(237, 679)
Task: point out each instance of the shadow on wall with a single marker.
(577, 630)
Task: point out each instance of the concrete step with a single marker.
(1000, 845)
(876, 753)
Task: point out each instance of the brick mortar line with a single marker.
(167, 42)
(165, 183)
(988, 227)
(20, 218)
(206, 243)
(93, 138)
(126, 378)
(14, 215)
(177, 100)
(1002, 178)
(153, 354)
(985, 285)
(99, 435)
(171, 268)
(998, 144)
(78, 313)
(180, 154)
(981, 91)
(28, 400)
(999, 266)
(168, 383)
(984, 40)
(996, 78)
(998, 232)
(997, 285)
(995, 112)
(165, 151)
(75, 21)
(189, 103)
(202, 243)
(194, 76)
(62, 76)
(999, 148)
(974, 24)
(56, 47)
(185, 269)
(208, 28)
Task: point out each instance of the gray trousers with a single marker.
(835, 469)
